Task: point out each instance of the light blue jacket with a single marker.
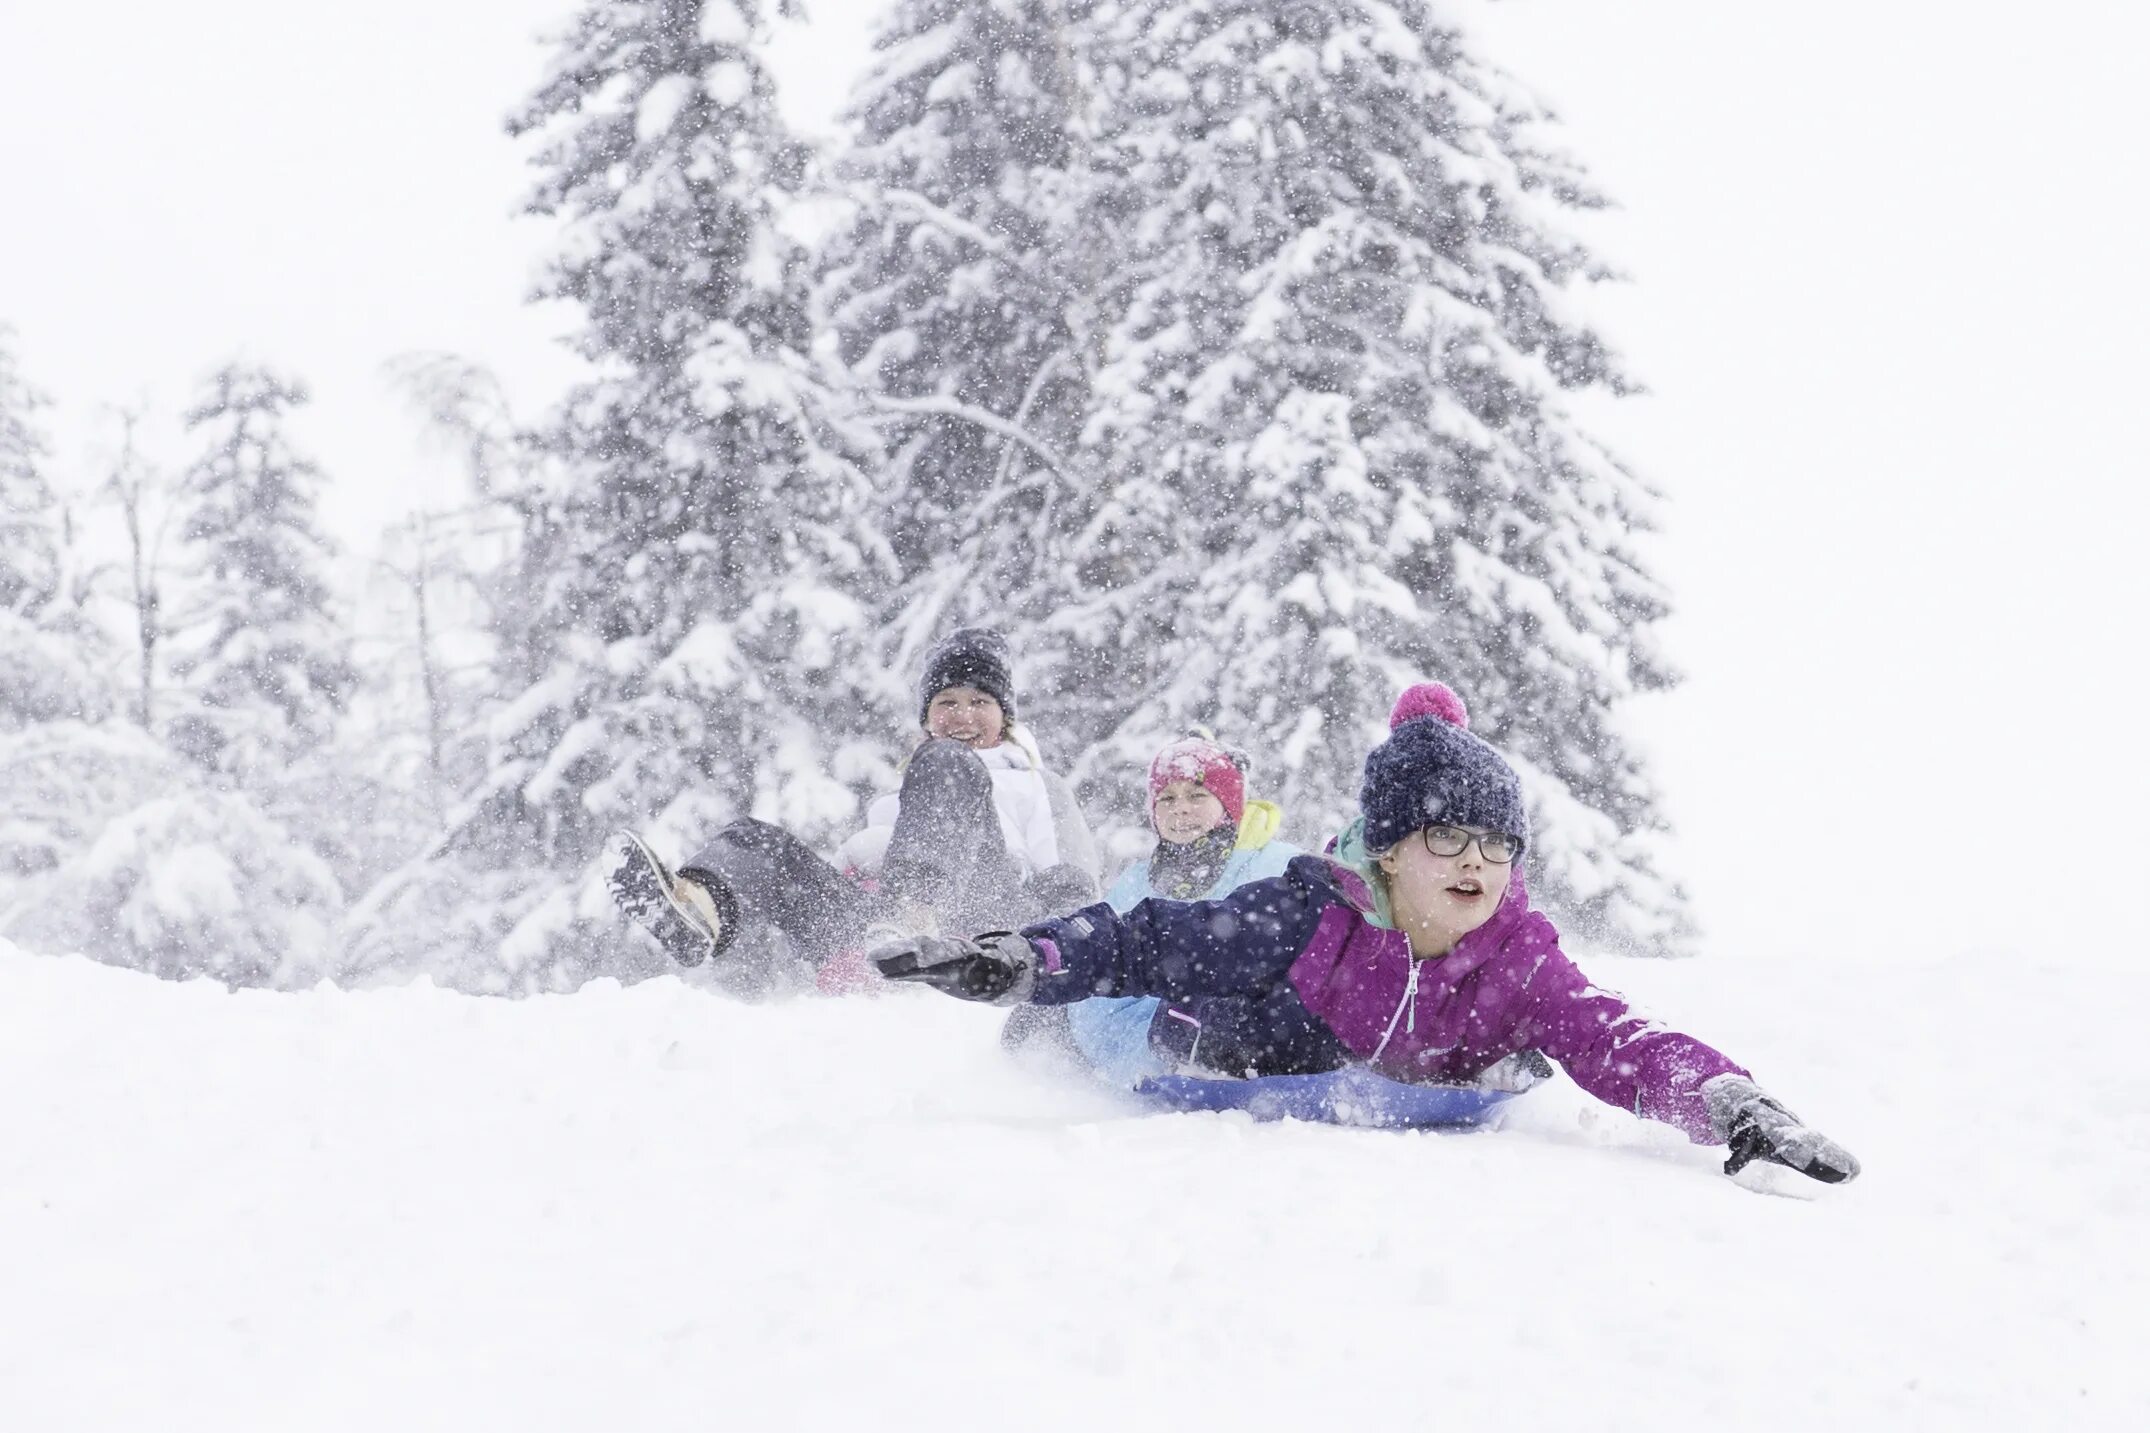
(1114, 1034)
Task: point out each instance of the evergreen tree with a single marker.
(29, 548)
(54, 661)
(264, 659)
(695, 571)
(108, 844)
(1298, 440)
(971, 294)
(1330, 414)
(959, 289)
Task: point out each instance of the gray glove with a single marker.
(1757, 1127)
(997, 968)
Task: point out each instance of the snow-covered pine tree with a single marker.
(696, 570)
(54, 666)
(1331, 409)
(29, 549)
(53, 660)
(109, 845)
(958, 290)
(264, 660)
(971, 292)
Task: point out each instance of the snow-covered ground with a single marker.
(653, 1208)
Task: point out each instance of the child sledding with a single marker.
(1415, 954)
(979, 836)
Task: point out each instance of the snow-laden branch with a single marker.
(954, 223)
(983, 417)
(1036, 386)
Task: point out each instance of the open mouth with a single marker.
(1466, 889)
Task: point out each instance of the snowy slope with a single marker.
(651, 1208)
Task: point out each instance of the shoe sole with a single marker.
(730, 920)
(641, 888)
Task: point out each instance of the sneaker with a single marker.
(685, 914)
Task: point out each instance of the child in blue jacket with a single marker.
(1210, 841)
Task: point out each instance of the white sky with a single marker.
(1887, 294)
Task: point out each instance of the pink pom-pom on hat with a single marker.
(1430, 699)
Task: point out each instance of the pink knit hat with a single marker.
(1197, 758)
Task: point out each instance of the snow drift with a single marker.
(654, 1208)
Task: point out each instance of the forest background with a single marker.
(1881, 267)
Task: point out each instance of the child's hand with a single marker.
(998, 968)
(1757, 1127)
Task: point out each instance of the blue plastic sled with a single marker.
(1339, 1097)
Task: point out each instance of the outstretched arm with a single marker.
(1240, 945)
(1627, 1059)
(1619, 1054)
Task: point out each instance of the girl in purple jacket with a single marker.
(1414, 952)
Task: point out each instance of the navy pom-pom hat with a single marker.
(969, 657)
(1433, 770)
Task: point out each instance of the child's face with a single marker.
(1438, 900)
(1186, 811)
(967, 715)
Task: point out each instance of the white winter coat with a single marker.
(1038, 816)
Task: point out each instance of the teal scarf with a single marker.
(1352, 854)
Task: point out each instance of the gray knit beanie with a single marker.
(969, 657)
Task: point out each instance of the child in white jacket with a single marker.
(980, 836)
(1022, 799)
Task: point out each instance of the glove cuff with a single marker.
(1730, 1098)
(1021, 960)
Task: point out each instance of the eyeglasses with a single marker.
(1498, 847)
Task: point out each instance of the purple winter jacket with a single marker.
(1305, 980)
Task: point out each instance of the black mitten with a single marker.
(997, 968)
(1755, 1126)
